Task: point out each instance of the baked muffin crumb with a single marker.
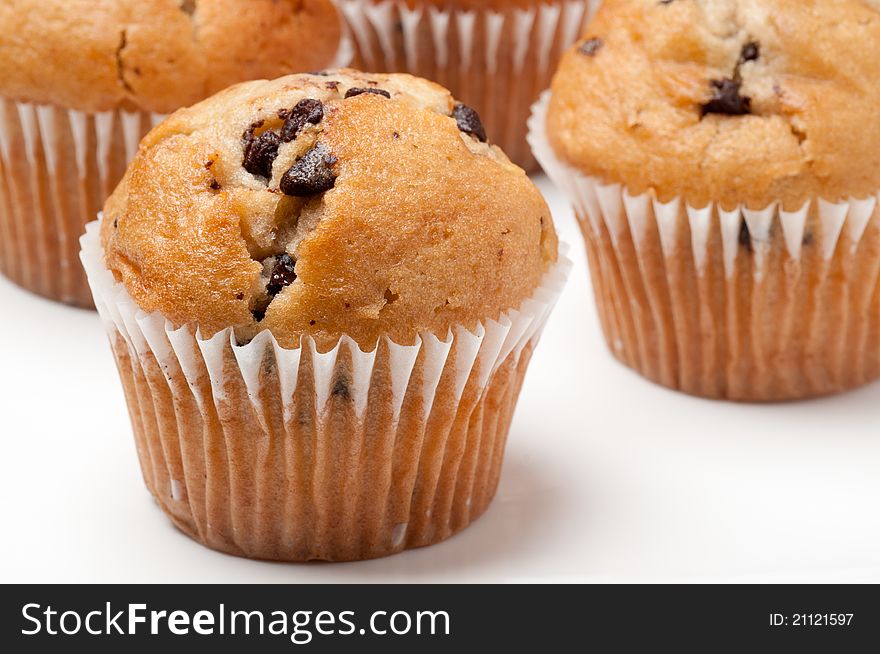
(366, 213)
(739, 101)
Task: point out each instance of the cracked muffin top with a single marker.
(155, 55)
(327, 204)
(738, 101)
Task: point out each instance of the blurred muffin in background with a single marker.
(724, 162)
(495, 55)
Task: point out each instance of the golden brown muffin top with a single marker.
(741, 101)
(155, 55)
(317, 204)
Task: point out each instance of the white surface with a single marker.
(607, 477)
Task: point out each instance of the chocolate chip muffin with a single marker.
(495, 55)
(335, 275)
(82, 81)
(723, 158)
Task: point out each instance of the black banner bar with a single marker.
(437, 618)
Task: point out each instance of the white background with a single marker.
(607, 477)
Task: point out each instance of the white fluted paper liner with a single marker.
(742, 304)
(56, 168)
(343, 454)
(345, 52)
(497, 62)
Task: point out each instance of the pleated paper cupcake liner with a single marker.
(344, 57)
(57, 166)
(746, 305)
(497, 62)
(296, 454)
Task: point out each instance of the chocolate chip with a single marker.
(350, 93)
(750, 52)
(305, 112)
(215, 185)
(311, 174)
(726, 99)
(745, 239)
(283, 274)
(590, 47)
(260, 153)
(258, 314)
(469, 121)
(331, 85)
(249, 132)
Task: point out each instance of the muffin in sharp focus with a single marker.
(343, 286)
(82, 81)
(724, 162)
(495, 55)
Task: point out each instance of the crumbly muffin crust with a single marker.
(739, 101)
(155, 55)
(329, 204)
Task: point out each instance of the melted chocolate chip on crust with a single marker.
(590, 47)
(726, 99)
(249, 132)
(260, 153)
(469, 121)
(750, 52)
(307, 111)
(350, 93)
(310, 175)
(283, 274)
